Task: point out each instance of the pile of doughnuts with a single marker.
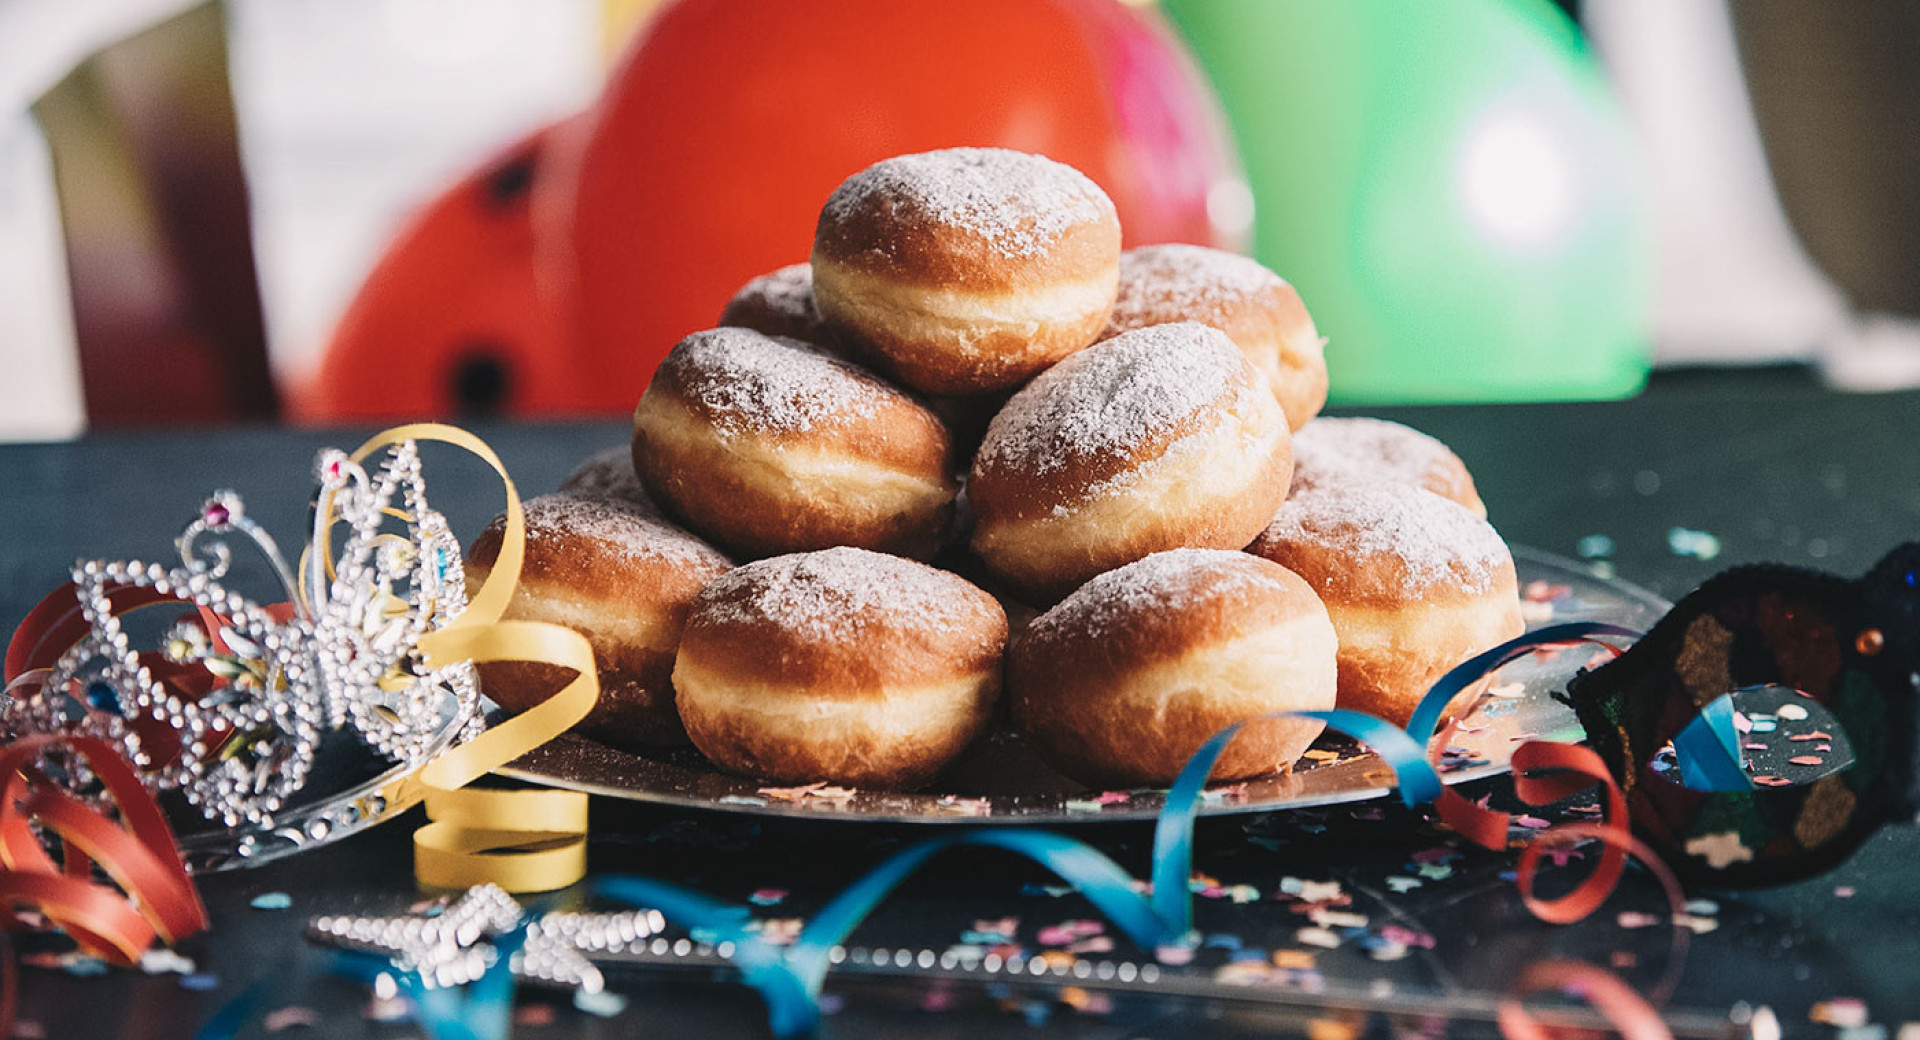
(970, 406)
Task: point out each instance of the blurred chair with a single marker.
(167, 312)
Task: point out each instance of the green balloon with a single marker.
(1449, 185)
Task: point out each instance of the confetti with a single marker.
(1791, 712)
(200, 982)
(767, 897)
(604, 1003)
(1700, 545)
(1317, 937)
(1805, 760)
(1406, 936)
(1593, 546)
(1841, 1012)
(533, 1015)
(1436, 871)
(958, 806)
(1720, 849)
(280, 1020)
(1843, 891)
(1068, 932)
(271, 901)
(165, 961)
(1401, 884)
(741, 799)
(1336, 919)
(1388, 951)
(1544, 592)
(1085, 1001)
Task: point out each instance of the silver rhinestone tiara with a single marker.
(231, 708)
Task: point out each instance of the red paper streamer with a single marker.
(151, 895)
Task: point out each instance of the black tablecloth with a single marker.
(1771, 466)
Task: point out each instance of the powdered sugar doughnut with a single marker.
(779, 303)
(618, 573)
(968, 269)
(843, 665)
(609, 474)
(1256, 308)
(1375, 451)
(1161, 438)
(770, 445)
(1123, 681)
(1415, 584)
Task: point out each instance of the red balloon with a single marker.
(454, 320)
(730, 121)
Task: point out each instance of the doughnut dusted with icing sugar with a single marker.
(769, 445)
(1375, 451)
(843, 665)
(1161, 438)
(969, 269)
(609, 474)
(619, 574)
(1123, 681)
(1415, 584)
(779, 303)
(1256, 308)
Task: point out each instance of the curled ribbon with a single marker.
(155, 898)
(523, 841)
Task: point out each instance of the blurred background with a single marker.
(328, 211)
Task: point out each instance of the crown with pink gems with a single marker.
(231, 707)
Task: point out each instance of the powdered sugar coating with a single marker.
(784, 296)
(1373, 451)
(1107, 401)
(747, 382)
(834, 595)
(1016, 203)
(609, 473)
(1161, 282)
(1436, 542)
(627, 530)
(1172, 582)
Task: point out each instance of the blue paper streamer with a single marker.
(1096, 877)
(1426, 715)
(1709, 750)
(790, 980)
(791, 1008)
(1173, 832)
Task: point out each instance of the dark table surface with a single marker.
(1771, 465)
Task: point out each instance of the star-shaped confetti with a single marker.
(1720, 850)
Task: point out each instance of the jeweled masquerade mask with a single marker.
(1766, 726)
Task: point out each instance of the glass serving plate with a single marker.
(1003, 780)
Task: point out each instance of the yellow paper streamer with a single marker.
(523, 841)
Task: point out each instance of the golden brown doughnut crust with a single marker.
(1376, 451)
(622, 576)
(778, 303)
(967, 270)
(738, 434)
(862, 633)
(984, 219)
(1257, 309)
(1178, 402)
(1415, 584)
(1127, 677)
(1386, 545)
